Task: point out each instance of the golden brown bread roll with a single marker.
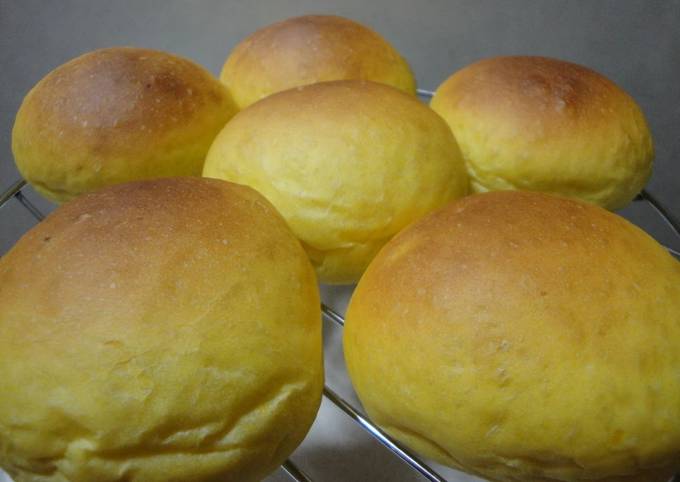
(347, 163)
(523, 337)
(157, 331)
(115, 115)
(308, 49)
(543, 124)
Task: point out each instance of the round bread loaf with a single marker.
(115, 115)
(523, 337)
(157, 331)
(347, 163)
(309, 49)
(541, 124)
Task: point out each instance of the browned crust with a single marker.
(529, 90)
(117, 114)
(118, 92)
(308, 49)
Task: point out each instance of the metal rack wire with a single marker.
(400, 451)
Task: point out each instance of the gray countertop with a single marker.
(635, 43)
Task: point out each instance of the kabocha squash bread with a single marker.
(309, 49)
(542, 124)
(523, 337)
(115, 115)
(157, 331)
(347, 163)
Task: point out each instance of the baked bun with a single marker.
(541, 124)
(310, 49)
(523, 337)
(347, 163)
(156, 331)
(115, 115)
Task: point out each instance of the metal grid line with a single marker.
(294, 472)
(395, 447)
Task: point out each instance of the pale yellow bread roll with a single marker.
(523, 337)
(157, 331)
(543, 124)
(115, 115)
(347, 163)
(308, 49)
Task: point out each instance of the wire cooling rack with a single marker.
(293, 471)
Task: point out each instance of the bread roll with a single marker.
(347, 163)
(542, 124)
(523, 337)
(309, 49)
(156, 331)
(115, 115)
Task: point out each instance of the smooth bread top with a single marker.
(523, 336)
